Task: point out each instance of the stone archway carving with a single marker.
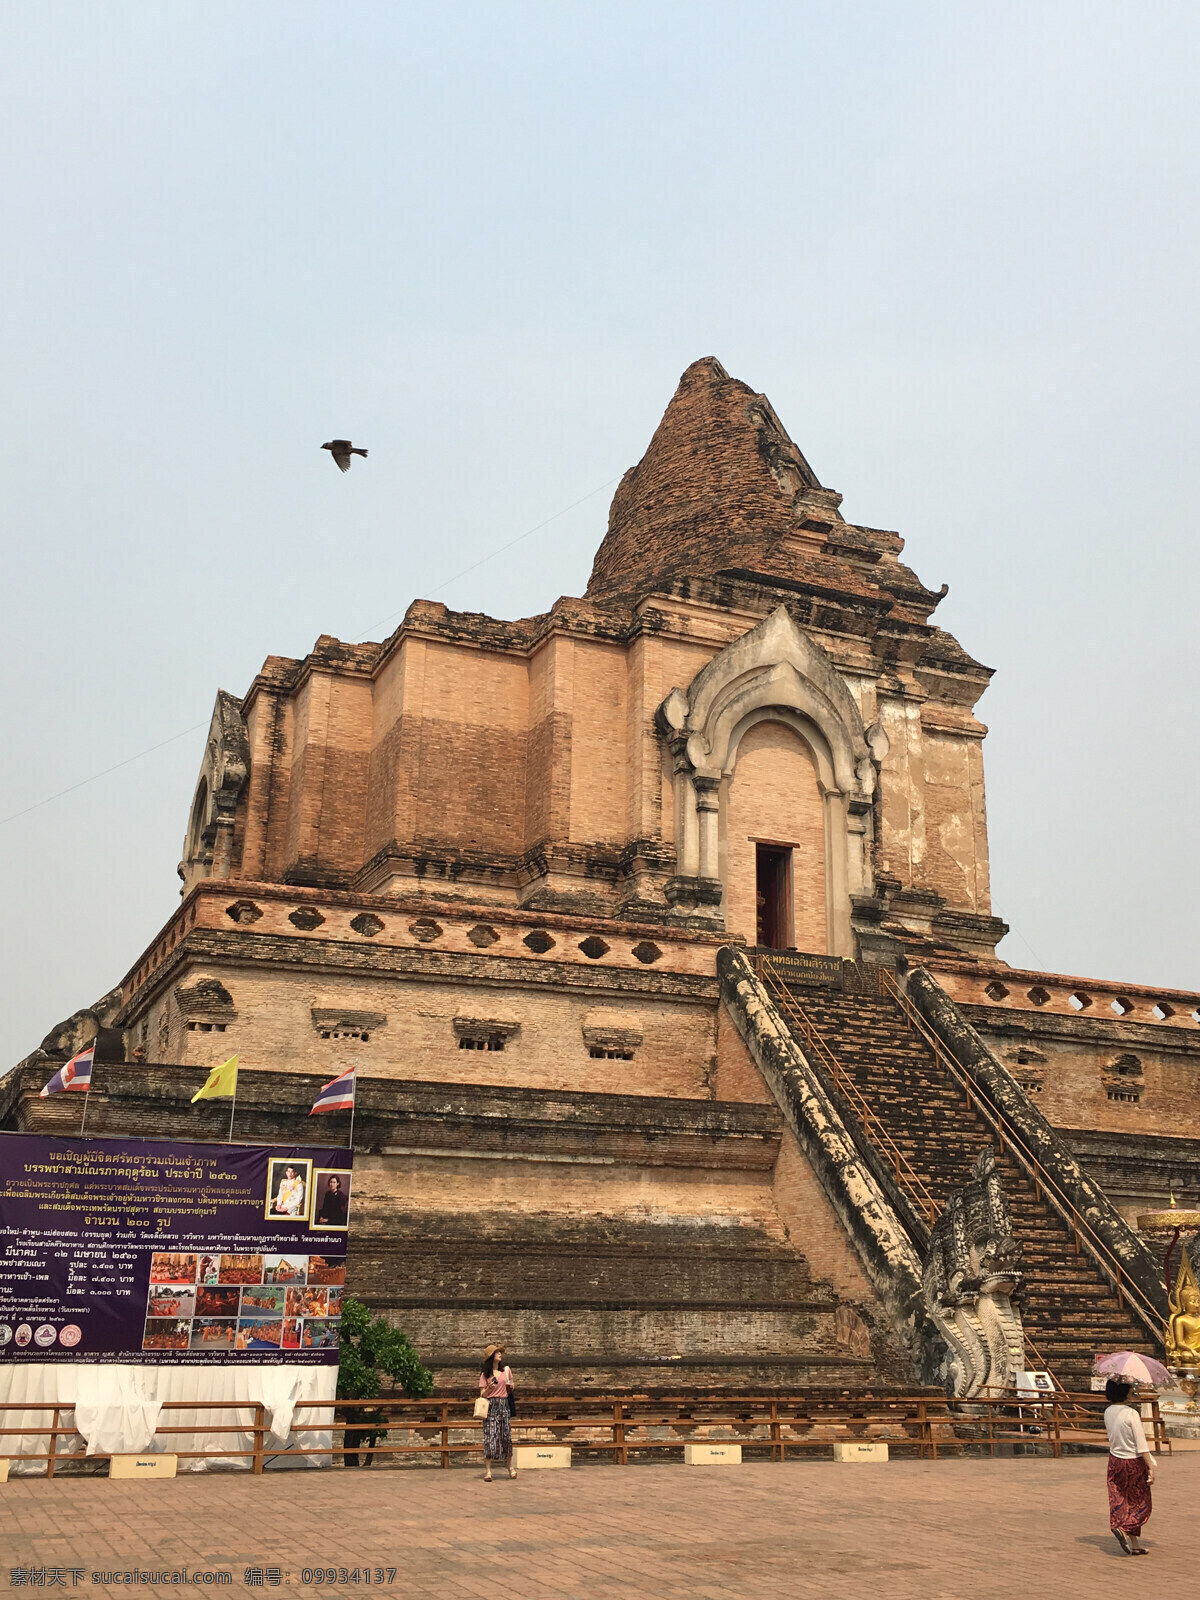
(207, 849)
(774, 672)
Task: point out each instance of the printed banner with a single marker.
(147, 1250)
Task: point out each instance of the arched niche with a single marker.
(208, 843)
(773, 849)
(776, 674)
(198, 846)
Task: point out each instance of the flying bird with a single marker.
(342, 450)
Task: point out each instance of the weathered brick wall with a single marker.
(395, 746)
(275, 1027)
(601, 1237)
(599, 749)
(802, 1205)
(268, 722)
(955, 862)
(736, 1076)
(470, 781)
(1106, 1081)
(1113, 1058)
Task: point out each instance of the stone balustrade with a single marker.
(419, 922)
(1011, 989)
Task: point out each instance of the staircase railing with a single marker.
(785, 1001)
(1008, 1138)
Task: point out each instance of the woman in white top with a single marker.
(1130, 1469)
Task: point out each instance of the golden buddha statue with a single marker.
(1183, 1319)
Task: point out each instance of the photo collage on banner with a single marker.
(243, 1302)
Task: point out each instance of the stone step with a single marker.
(1069, 1305)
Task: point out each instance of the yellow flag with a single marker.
(222, 1082)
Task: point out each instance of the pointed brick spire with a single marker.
(719, 484)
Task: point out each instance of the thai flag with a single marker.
(77, 1074)
(337, 1095)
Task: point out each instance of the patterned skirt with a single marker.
(497, 1432)
(1128, 1494)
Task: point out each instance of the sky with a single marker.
(955, 244)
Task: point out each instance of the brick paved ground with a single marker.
(943, 1531)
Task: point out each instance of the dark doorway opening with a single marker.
(774, 886)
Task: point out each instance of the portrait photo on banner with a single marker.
(289, 1189)
(331, 1199)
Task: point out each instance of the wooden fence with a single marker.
(623, 1428)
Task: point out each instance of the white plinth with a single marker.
(535, 1457)
(147, 1466)
(718, 1454)
(859, 1450)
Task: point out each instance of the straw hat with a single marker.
(492, 1349)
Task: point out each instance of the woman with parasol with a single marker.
(1130, 1464)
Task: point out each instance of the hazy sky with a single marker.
(956, 244)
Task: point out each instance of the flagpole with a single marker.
(353, 1103)
(232, 1109)
(83, 1119)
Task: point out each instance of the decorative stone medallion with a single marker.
(593, 947)
(425, 929)
(481, 935)
(243, 912)
(367, 924)
(539, 941)
(306, 918)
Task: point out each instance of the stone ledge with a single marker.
(264, 951)
(1138, 1165)
(333, 1019)
(153, 1101)
(1082, 1029)
(567, 1303)
(1161, 1149)
(454, 908)
(816, 1358)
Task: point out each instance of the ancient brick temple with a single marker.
(659, 929)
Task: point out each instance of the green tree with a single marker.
(371, 1347)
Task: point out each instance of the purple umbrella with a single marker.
(1138, 1369)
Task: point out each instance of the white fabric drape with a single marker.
(115, 1409)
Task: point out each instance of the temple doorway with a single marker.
(773, 843)
(773, 873)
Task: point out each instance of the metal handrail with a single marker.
(791, 1005)
(786, 1001)
(1081, 1228)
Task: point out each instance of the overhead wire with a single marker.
(492, 554)
(116, 767)
(445, 584)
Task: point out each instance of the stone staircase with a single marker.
(1069, 1307)
(602, 1302)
